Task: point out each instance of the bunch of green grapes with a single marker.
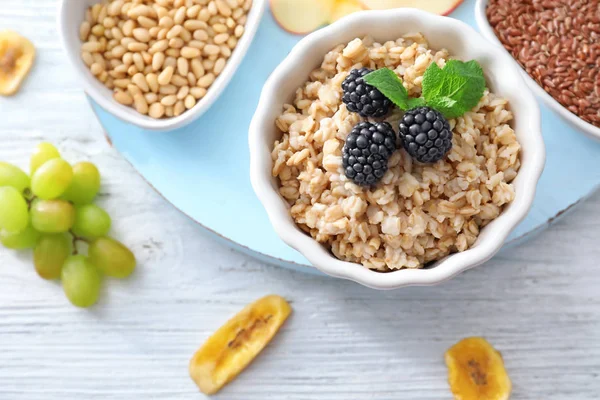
(51, 212)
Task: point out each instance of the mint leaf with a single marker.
(470, 69)
(414, 102)
(455, 89)
(390, 85)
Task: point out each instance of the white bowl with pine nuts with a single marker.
(158, 65)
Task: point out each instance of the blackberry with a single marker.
(425, 134)
(362, 98)
(366, 152)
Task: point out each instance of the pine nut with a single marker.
(173, 53)
(189, 102)
(206, 81)
(198, 92)
(170, 62)
(141, 34)
(219, 66)
(221, 38)
(178, 108)
(151, 97)
(174, 31)
(194, 25)
(123, 97)
(183, 92)
(140, 81)
(191, 78)
(138, 61)
(197, 68)
(193, 11)
(157, 61)
(156, 110)
(178, 80)
(87, 58)
(166, 22)
(176, 43)
(159, 46)
(239, 31)
(190, 52)
(183, 66)
(84, 30)
(211, 49)
(168, 89)
(169, 100)
(165, 77)
(146, 22)
(96, 69)
(128, 28)
(219, 28)
(152, 80)
(185, 35)
(140, 104)
(179, 16)
(91, 47)
(137, 46)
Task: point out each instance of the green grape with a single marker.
(81, 281)
(11, 175)
(50, 254)
(52, 216)
(26, 239)
(43, 152)
(111, 257)
(14, 216)
(91, 221)
(52, 179)
(85, 184)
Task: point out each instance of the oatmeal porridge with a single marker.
(417, 212)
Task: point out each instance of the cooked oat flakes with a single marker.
(417, 213)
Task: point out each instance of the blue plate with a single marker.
(203, 169)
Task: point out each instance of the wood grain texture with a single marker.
(539, 303)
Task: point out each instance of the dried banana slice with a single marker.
(230, 349)
(476, 371)
(16, 58)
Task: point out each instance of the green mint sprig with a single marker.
(452, 90)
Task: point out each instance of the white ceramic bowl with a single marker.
(442, 32)
(487, 31)
(70, 16)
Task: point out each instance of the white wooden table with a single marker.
(538, 304)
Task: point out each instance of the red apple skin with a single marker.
(450, 11)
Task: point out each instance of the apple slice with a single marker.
(440, 7)
(345, 7)
(302, 16)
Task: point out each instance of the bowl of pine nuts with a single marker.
(157, 64)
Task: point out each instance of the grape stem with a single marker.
(29, 199)
(75, 240)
